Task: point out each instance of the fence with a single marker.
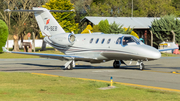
(38, 43)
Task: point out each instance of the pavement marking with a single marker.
(127, 84)
(174, 72)
(46, 74)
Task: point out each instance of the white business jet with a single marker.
(93, 48)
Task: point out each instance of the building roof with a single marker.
(132, 22)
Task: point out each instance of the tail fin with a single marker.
(47, 23)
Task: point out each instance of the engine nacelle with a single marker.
(65, 39)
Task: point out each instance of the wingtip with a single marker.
(5, 50)
(7, 10)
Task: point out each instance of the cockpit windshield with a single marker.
(127, 39)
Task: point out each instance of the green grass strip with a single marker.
(29, 87)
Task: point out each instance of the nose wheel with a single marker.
(116, 64)
(141, 65)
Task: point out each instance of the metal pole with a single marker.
(132, 9)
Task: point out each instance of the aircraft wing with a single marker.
(53, 56)
(173, 46)
(167, 49)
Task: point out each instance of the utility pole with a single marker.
(132, 9)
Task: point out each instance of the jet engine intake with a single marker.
(65, 39)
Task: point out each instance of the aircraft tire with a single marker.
(116, 64)
(141, 66)
(70, 67)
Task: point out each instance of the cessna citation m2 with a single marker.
(93, 48)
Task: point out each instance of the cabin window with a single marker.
(118, 40)
(127, 39)
(97, 40)
(91, 40)
(109, 40)
(102, 41)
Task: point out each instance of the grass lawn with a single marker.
(31, 87)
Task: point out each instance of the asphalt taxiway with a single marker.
(164, 72)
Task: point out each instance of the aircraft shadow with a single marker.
(107, 67)
(61, 67)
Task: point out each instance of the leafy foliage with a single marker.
(153, 8)
(114, 28)
(95, 28)
(3, 34)
(104, 26)
(176, 4)
(87, 29)
(109, 8)
(65, 19)
(141, 8)
(162, 28)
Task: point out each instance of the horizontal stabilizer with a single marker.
(8, 10)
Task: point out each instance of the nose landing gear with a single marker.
(141, 65)
(117, 64)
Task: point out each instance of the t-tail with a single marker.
(47, 23)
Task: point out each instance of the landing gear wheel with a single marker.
(141, 66)
(116, 64)
(70, 67)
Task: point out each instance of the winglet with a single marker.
(5, 50)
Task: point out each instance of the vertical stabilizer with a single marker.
(47, 23)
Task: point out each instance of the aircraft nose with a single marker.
(153, 53)
(156, 54)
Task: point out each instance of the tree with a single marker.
(113, 28)
(96, 28)
(176, 4)
(110, 8)
(153, 8)
(17, 21)
(3, 34)
(116, 28)
(65, 19)
(167, 28)
(104, 26)
(88, 29)
(81, 7)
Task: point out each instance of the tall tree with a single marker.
(153, 8)
(65, 19)
(17, 21)
(176, 4)
(81, 7)
(167, 28)
(112, 8)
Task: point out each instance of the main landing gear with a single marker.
(116, 63)
(69, 65)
